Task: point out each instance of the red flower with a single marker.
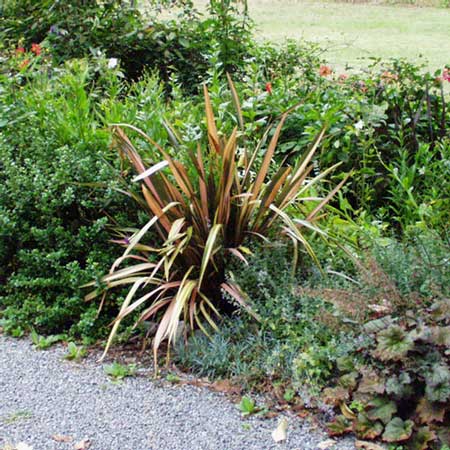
(324, 71)
(20, 50)
(24, 64)
(446, 75)
(269, 87)
(36, 49)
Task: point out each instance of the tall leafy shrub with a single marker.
(178, 48)
(53, 227)
(73, 28)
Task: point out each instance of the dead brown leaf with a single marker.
(82, 445)
(280, 432)
(368, 445)
(371, 383)
(430, 412)
(335, 396)
(326, 444)
(270, 415)
(62, 438)
(225, 386)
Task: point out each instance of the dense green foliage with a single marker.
(53, 229)
(177, 48)
(72, 28)
(390, 126)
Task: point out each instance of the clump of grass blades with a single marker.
(204, 219)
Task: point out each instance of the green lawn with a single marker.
(350, 32)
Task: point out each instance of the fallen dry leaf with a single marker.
(82, 445)
(62, 438)
(19, 446)
(347, 412)
(23, 446)
(368, 445)
(270, 415)
(225, 386)
(280, 432)
(326, 444)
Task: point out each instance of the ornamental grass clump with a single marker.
(203, 214)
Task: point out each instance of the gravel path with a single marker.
(42, 395)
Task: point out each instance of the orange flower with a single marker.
(36, 49)
(387, 76)
(343, 77)
(24, 64)
(325, 71)
(269, 87)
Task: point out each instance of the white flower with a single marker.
(359, 125)
(112, 63)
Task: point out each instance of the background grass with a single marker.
(350, 32)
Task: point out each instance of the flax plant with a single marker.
(204, 219)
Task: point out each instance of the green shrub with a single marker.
(178, 49)
(54, 234)
(418, 265)
(277, 62)
(72, 28)
(419, 188)
(54, 194)
(389, 125)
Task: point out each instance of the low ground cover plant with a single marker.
(289, 342)
(400, 392)
(75, 352)
(119, 371)
(369, 350)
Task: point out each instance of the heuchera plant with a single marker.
(402, 393)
